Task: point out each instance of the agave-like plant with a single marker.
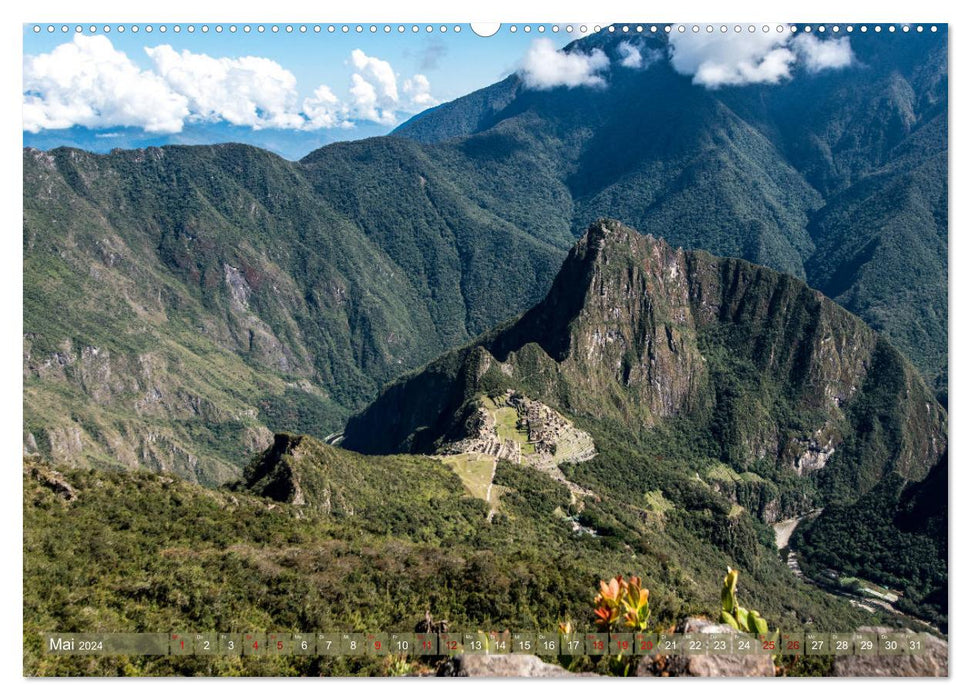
(636, 608)
(735, 615)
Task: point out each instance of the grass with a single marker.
(719, 471)
(475, 471)
(656, 501)
(507, 419)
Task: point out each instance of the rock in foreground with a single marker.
(707, 665)
(931, 663)
(503, 666)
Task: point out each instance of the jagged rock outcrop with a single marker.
(51, 479)
(274, 475)
(322, 480)
(634, 332)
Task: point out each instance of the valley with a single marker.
(531, 340)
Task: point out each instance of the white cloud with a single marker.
(544, 67)
(246, 91)
(374, 91)
(717, 60)
(366, 104)
(325, 111)
(378, 72)
(822, 55)
(418, 90)
(630, 55)
(88, 83)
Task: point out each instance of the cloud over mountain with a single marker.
(89, 83)
(741, 58)
(819, 55)
(246, 91)
(545, 68)
(630, 55)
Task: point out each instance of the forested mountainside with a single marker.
(184, 303)
(838, 177)
(318, 539)
(685, 368)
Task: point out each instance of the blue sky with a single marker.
(292, 92)
(399, 74)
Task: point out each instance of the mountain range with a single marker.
(652, 414)
(315, 282)
(436, 358)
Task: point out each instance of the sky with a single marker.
(347, 85)
(293, 91)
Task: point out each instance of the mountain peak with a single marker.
(613, 275)
(634, 332)
(609, 242)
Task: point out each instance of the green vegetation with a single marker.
(896, 536)
(182, 305)
(183, 292)
(372, 547)
(507, 427)
(735, 615)
(747, 388)
(475, 471)
(656, 502)
(839, 178)
(231, 294)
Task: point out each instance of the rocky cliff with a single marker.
(757, 368)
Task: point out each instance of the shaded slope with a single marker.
(197, 294)
(634, 332)
(805, 177)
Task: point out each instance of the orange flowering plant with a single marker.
(622, 600)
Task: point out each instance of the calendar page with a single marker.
(424, 349)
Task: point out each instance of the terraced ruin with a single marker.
(514, 427)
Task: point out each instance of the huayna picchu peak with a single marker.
(686, 371)
(635, 332)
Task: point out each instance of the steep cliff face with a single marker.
(837, 177)
(182, 304)
(757, 369)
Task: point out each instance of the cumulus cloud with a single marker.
(820, 55)
(374, 89)
(630, 55)
(377, 72)
(247, 91)
(88, 83)
(717, 60)
(544, 68)
(418, 90)
(324, 110)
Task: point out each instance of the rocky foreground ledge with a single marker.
(932, 663)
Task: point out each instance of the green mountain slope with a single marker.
(363, 544)
(689, 371)
(182, 303)
(835, 177)
(900, 530)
